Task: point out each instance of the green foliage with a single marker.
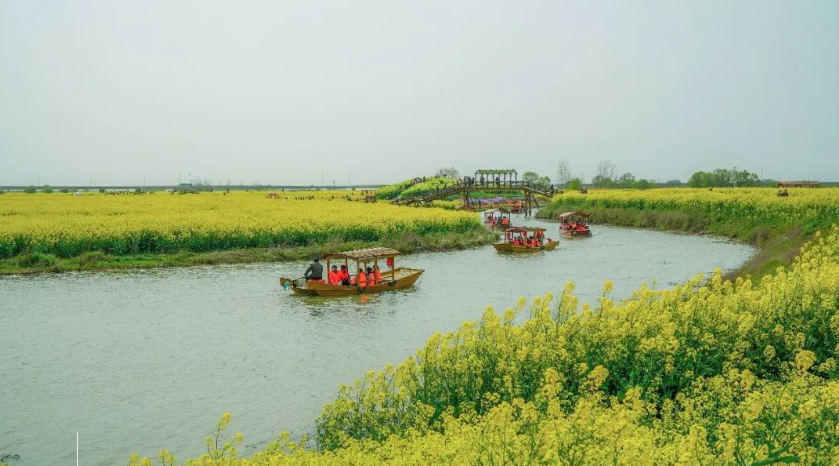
(601, 181)
(30, 189)
(35, 260)
(47, 189)
(722, 177)
(575, 184)
(447, 172)
(535, 179)
(65, 190)
(392, 191)
(626, 181)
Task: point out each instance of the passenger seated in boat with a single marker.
(377, 274)
(315, 271)
(334, 276)
(505, 221)
(371, 277)
(360, 278)
(344, 276)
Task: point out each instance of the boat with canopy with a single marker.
(573, 224)
(525, 239)
(395, 278)
(497, 218)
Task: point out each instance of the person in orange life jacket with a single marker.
(344, 276)
(334, 276)
(377, 274)
(371, 277)
(360, 278)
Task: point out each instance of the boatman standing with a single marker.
(315, 270)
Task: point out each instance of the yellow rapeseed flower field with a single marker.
(751, 205)
(66, 226)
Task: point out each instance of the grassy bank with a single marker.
(408, 243)
(778, 227)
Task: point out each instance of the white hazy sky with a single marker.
(282, 92)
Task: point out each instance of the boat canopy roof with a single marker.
(499, 210)
(361, 255)
(524, 229)
(565, 215)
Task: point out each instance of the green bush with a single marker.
(35, 259)
(47, 189)
(30, 189)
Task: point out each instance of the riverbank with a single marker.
(778, 227)
(407, 243)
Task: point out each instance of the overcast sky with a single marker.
(115, 92)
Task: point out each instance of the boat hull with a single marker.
(574, 233)
(401, 278)
(509, 247)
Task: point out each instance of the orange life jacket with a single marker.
(361, 278)
(334, 277)
(377, 275)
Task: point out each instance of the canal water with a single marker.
(148, 360)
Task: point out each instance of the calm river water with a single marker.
(142, 361)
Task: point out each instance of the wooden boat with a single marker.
(497, 218)
(393, 279)
(573, 224)
(512, 234)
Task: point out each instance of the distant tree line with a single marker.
(723, 177)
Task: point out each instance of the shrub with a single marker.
(30, 189)
(35, 260)
(47, 189)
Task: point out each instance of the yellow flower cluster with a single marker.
(66, 225)
(711, 372)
